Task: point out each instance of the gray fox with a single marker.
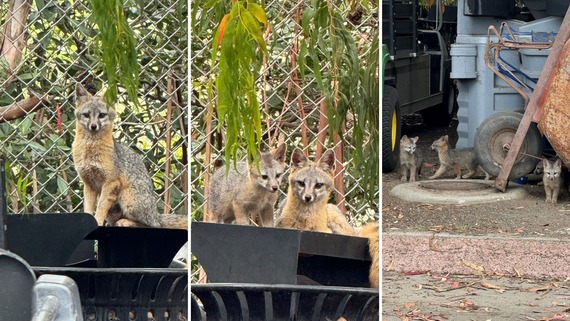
(117, 187)
(247, 194)
(455, 158)
(306, 207)
(411, 158)
(552, 179)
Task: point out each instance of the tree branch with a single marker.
(14, 37)
(20, 109)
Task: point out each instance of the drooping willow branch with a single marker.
(240, 44)
(118, 49)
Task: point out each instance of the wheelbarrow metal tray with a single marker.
(555, 118)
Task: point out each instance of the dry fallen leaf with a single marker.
(432, 244)
(409, 305)
(541, 288)
(468, 305)
(415, 272)
(478, 268)
(490, 286)
(390, 266)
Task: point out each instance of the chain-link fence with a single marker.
(290, 97)
(46, 48)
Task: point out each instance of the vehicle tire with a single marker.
(498, 130)
(441, 115)
(391, 129)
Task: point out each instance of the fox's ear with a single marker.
(404, 138)
(279, 153)
(327, 161)
(298, 159)
(545, 162)
(81, 92)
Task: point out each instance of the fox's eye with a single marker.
(301, 183)
(277, 175)
(102, 115)
(86, 115)
(264, 176)
(319, 185)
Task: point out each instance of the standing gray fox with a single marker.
(411, 158)
(247, 194)
(553, 179)
(117, 187)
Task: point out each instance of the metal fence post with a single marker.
(3, 206)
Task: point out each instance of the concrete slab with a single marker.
(484, 255)
(451, 191)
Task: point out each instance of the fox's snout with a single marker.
(308, 198)
(94, 127)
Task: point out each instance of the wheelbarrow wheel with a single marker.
(391, 129)
(493, 138)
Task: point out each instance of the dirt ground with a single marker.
(470, 298)
(531, 216)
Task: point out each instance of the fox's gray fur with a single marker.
(247, 195)
(552, 179)
(411, 158)
(310, 185)
(455, 158)
(117, 189)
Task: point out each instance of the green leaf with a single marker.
(37, 147)
(301, 58)
(258, 12)
(253, 28)
(61, 185)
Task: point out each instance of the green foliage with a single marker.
(349, 84)
(239, 37)
(118, 49)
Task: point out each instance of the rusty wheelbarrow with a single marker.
(508, 144)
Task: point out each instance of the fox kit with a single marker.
(411, 158)
(310, 185)
(248, 194)
(117, 187)
(455, 158)
(552, 179)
